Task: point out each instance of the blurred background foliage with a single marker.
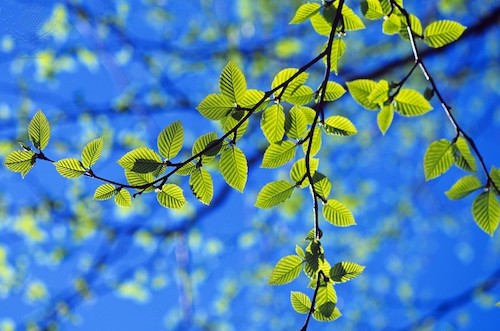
(124, 70)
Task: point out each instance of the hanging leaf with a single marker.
(338, 49)
(338, 214)
(410, 102)
(274, 193)
(251, 98)
(286, 270)
(371, 9)
(104, 192)
(318, 315)
(234, 168)
(208, 140)
(340, 126)
(344, 271)
(360, 90)
(123, 198)
(320, 25)
(186, 169)
(142, 160)
(272, 123)
(92, 152)
(215, 106)
(351, 21)
(322, 185)
(285, 75)
(295, 124)
(463, 187)
(326, 299)
(232, 82)
(304, 12)
(300, 302)
(171, 196)
(316, 142)
(140, 179)
(202, 186)
(384, 118)
(391, 25)
(277, 154)
(416, 26)
(495, 177)
(486, 212)
(441, 33)
(380, 93)
(39, 130)
(333, 91)
(309, 114)
(170, 140)
(20, 161)
(302, 95)
(70, 168)
(463, 156)
(229, 123)
(437, 159)
(299, 169)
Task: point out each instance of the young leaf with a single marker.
(142, 160)
(138, 179)
(170, 140)
(304, 12)
(340, 126)
(300, 302)
(338, 214)
(215, 106)
(39, 130)
(338, 49)
(326, 294)
(437, 159)
(296, 124)
(463, 156)
(171, 196)
(391, 25)
(232, 82)
(279, 153)
(186, 169)
(251, 98)
(316, 142)
(320, 25)
(441, 33)
(283, 76)
(20, 161)
(302, 95)
(272, 123)
(299, 170)
(234, 168)
(92, 152)
(205, 141)
(384, 118)
(360, 90)
(495, 177)
(463, 187)
(123, 198)
(380, 93)
(299, 251)
(202, 185)
(333, 91)
(286, 270)
(274, 193)
(309, 113)
(486, 211)
(372, 9)
(343, 271)
(322, 185)
(104, 192)
(409, 102)
(70, 168)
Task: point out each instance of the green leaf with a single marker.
(278, 153)
(322, 185)
(170, 140)
(296, 124)
(344, 271)
(251, 98)
(380, 93)
(92, 152)
(495, 177)
(350, 19)
(70, 168)
(441, 33)
(285, 75)
(391, 25)
(300, 302)
(202, 185)
(274, 193)
(360, 89)
(272, 123)
(437, 159)
(384, 118)
(338, 49)
(299, 170)
(234, 168)
(186, 169)
(232, 82)
(39, 130)
(314, 254)
(215, 106)
(416, 26)
(123, 198)
(20, 161)
(463, 187)
(463, 156)
(171, 196)
(299, 251)
(333, 91)
(320, 317)
(286, 270)
(486, 212)
(316, 142)
(309, 113)
(302, 95)
(104, 192)
(229, 123)
(410, 102)
(326, 294)
(372, 9)
(142, 160)
(204, 141)
(139, 179)
(320, 25)
(340, 126)
(304, 12)
(338, 214)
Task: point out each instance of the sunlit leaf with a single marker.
(320, 317)
(285, 75)
(486, 212)
(299, 170)
(286, 270)
(215, 106)
(416, 26)
(202, 186)
(234, 168)
(207, 141)
(70, 168)
(20, 161)
(302, 95)
(272, 123)
(232, 82)
(123, 198)
(441, 33)
(343, 271)
(380, 93)
(338, 49)
(360, 90)
(304, 12)
(391, 25)
(39, 130)
(92, 152)
(104, 192)
(463, 156)
(338, 214)
(279, 153)
(170, 140)
(186, 169)
(300, 302)
(295, 124)
(320, 25)
(463, 187)
(326, 294)
(437, 159)
(274, 193)
(410, 102)
(142, 160)
(333, 91)
(171, 196)
(384, 118)
(251, 98)
(314, 254)
(139, 179)
(350, 19)
(316, 142)
(229, 123)
(340, 126)
(371, 9)
(322, 185)
(495, 177)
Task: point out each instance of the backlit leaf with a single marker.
(495, 177)
(299, 169)
(340, 126)
(338, 214)
(320, 25)
(416, 26)
(208, 140)
(391, 25)
(304, 12)
(300, 302)
(251, 98)
(202, 185)
(286, 270)
(20, 161)
(343, 271)
(139, 179)
(123, 198)
(360, 90)
(320, 317)
(380, 93)
(39, 130)
(142, 160)
(104, 192)
(338, 49)
(229, 123)
(215, 106)
(234, 168)
(350, 19)
(232, 82)
(285, 75)
(316, 142)
(463, 187)
(277, 154)
(70, 168)
(274, 193)
(302, 95)
(171, 196)
(410, 102)
(272, 123)
(333, 91)
(92, 152)
(170, 140)
(437, 159)
(371, 9)
(295, 124)
(486, 212)
(384, 118)
(463, 156)
(441, 33)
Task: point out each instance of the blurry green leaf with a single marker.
(372, 9)
(416, 26)
(380, 93)
(302, 95)
(139, 179)
(142, 160)
(486, 212)
(170, 140)
(123, 198)
(300, 302)
(333, 91)
(278, 153)
(171, 196)
(343, 271)
(304, 12)
(286, 270)
(340, 126)
(441, 33)
(104, 192)
(463, 156)
(92, 152)
(215, 106)
(437, 159)
(299, 170)
(272, 123)
(463, 187)
(39, 130)
(384, 118)
(290, 88)
(287, 47)
(20, 161)
(274, 193)
(391, 25)
(232, 82)
(234, 168)
(410, 102)
(338, 214)
(295, 124)
(70, 168)
(202, 185)
(322, 185)
(360, 90)
(320, 317)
